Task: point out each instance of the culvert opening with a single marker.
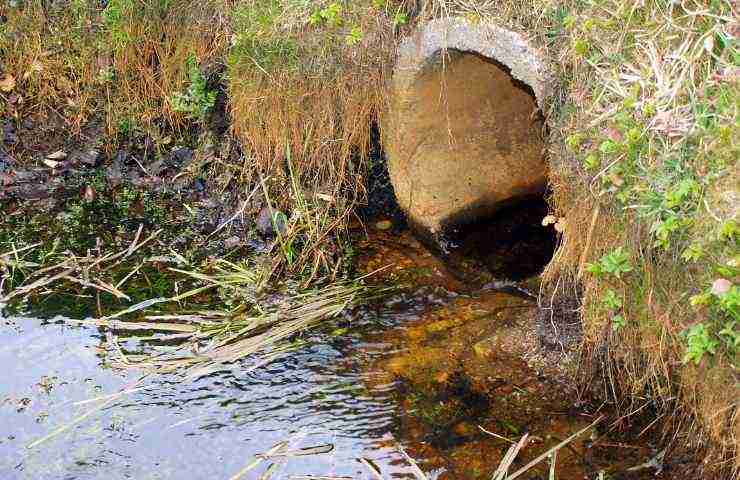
(467, 139)
(467, 162)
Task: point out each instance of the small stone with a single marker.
(32, 192)
(114, 173)
(9, 135)
(5, 162)
(51, 163)
(182, 156)
(58, 155)
(384, 225)
(156, 168)
(91, 158)
(232, 242)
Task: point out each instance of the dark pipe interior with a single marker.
(511, 244)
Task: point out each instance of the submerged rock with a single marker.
(384, 225)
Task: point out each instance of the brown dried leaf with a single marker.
(614, 134)
(89, 194)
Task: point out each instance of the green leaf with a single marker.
(618, 322)
(692, 253)
(699, 342)
(616, 262)
(611, 300)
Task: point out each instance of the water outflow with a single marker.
(432, 368)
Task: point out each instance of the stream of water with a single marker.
(429, 370)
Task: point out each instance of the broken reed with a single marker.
(22, 278)
(261, 326)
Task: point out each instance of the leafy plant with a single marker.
(330, 15)
(611, 301)
(616, 263)
(664, 229)
(197, 100)
(685, 189)
(693, 253)
(618, 322)
(699, 342)
(114, 15)
(354, 36)
(400, 18)
(729, 230)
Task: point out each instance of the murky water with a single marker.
(430, 369)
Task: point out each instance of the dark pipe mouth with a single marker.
(508, 244)
(479, 244)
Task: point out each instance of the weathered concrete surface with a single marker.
(462, 133)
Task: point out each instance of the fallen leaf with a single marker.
(325, 197)
(614, 134)
(6, 179)
(89, 194)
(673, 123)
(51, 163)
(7, 84)
(616, 179)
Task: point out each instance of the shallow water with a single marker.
(209, 428)
(418, 370)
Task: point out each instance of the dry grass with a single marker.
(260, 327)
(147, 50)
